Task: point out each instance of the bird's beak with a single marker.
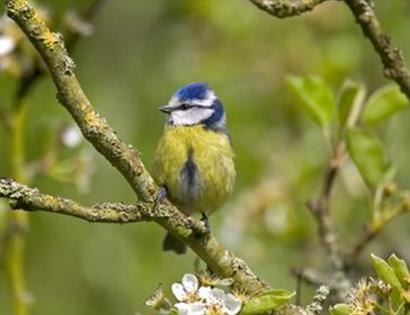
(166, 109)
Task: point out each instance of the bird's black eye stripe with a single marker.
(185, 106)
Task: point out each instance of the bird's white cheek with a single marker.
(191, 116)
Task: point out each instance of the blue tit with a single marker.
(194, 159)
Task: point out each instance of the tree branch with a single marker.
(31, 199)
(23, 197)
(391, 56)
(286, 8)
(320, 209)
(122, 156)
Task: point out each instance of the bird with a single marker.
(194, 161)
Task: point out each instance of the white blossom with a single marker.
(204, 300)
(232, 305)
(196, 308)
(226, 303)
(187, 291)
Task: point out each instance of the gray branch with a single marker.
(286, 8)
(391, 56)
(31, 199)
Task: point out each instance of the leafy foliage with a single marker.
(383, 103)
(368, 154)
(315, 97)
(350, 101)
(269, 301)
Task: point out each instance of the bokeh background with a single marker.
(139, 53)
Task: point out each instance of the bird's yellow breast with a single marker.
(196, 165)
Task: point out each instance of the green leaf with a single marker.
(383, 103)
(367, 153)
(400, 269)
(350, 101)
(315, 97)
(266, 302)
(385, 272)
(340, 309)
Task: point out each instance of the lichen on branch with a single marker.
(286, 8)
(391, 56)
(31, 199)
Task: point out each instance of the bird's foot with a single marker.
(202, 230)
(205, 221)
(161, 195)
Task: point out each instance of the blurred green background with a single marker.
(139, 54)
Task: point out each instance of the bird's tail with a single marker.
(174, 244)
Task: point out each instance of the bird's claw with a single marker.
(161, 195)
(207, 225)
(202, 230)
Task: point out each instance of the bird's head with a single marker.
(195, 104)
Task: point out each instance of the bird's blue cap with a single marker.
(196, 90)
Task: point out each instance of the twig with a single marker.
(23, 197)
(372, 230)
(336, 283)
(392, 58)
(30, 199)
(369, 234)
(320, 208)
(122, 156)
(286, 8)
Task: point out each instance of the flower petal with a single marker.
(216, 296)
(183, 308)
(179, 291)
(196, 309)
(203, 292)
(232, 305)
(190, 282)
